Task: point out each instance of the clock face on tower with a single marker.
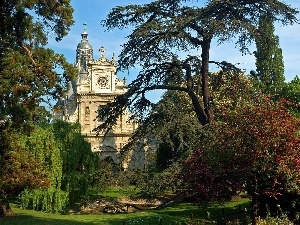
(102, 81)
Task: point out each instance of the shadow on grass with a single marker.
(90, 219)
(30, 220)
(28, 217)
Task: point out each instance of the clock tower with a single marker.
(96, 85)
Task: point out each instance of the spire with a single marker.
(84, 52)
(84, 33)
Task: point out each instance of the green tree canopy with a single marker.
(269, 60)
(173, 122)
(28, 70)
(69, 163)
(19, 168)
(78, 160)
(291, 92)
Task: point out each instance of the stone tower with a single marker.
(95, 86)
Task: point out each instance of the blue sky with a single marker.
(93, 11)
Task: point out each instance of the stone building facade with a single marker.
(96, 85)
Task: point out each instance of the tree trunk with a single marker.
(255, 201)
(5, 209)
(207, 99)
(202, 118)
(201, 115)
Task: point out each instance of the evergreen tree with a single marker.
(269, 61)
(166, 29)
(28, 69)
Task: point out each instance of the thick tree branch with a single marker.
(202, 118)
(29, 53)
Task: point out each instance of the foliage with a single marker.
(291, 92)
(230, 88)
(78, 161)
(181, 126)
(69, 163)
(281, 219)
(269, 73)
(27, 68)
(28, 73)
(41, 143)
(138, 182)
(174, 132)
(155, 183)
(19, 168)
(256, 149)
(177, 132)
(52, 200)
(105, 175)
(274, 221)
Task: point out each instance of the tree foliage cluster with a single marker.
(291, 92)
(175, 123)
(51, 168)
(254, 149)
(27, 67)
(269, 75)
(165, 37)
(244, 142)
(70, 162)
(19, 168)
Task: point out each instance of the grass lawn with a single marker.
(173, 214)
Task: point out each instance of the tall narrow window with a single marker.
(87, 113)
(99, 110)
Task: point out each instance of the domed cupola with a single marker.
(84, 52)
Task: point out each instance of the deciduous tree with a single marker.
(291, 92)
(67, 157)
(78, 160)
(19, 169)
(255, 148)
(42, 145)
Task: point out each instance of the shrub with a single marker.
(51, 200)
